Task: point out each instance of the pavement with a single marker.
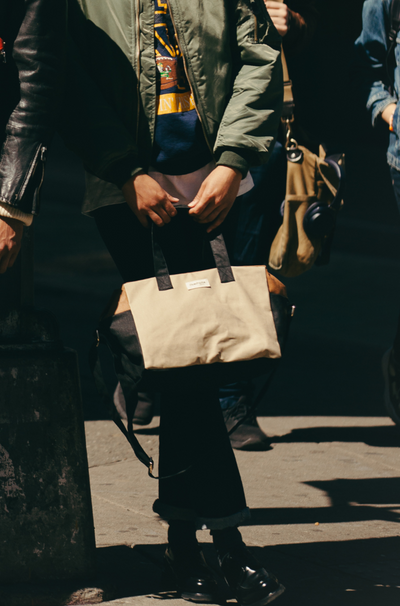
(325, 500)
(325, 512)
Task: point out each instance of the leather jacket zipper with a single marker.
(39, 156)
(187, 76)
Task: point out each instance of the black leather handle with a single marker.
(221, 259)
(218, 248)
(160, 265)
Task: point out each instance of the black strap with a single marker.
(97, 372)
(161, 271)
(218, 249)
(392, 35)
(221, 259)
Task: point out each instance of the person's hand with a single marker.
(147, 199)
(216, 196)
(280, 16)
(11, 231)
(388, 113)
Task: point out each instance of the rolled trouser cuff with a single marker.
(171, 512)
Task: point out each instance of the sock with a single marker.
(225, 540)
(182, 536)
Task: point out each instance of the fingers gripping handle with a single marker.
(218, 249)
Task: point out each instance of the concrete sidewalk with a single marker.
(325, 507)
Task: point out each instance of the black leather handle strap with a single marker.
(221, 259)
(218, 249)
(160, 265)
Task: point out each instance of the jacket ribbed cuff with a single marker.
(10, 212)
(233, 159)
(121, 171)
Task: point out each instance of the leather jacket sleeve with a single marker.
(36, 54)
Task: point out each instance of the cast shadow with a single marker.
(385, 436)
(343, 573)
(350, 501)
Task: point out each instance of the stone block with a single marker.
(46, 523)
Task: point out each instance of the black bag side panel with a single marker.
(282, 312)
(121, 335)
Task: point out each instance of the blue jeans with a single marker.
(258, 219)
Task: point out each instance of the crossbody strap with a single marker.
(97, 372)
(288, 99)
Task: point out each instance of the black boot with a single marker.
(249, 435)
(251, 584)
(185, 560)
(193, 576)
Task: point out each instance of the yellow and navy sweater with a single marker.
(179, 145)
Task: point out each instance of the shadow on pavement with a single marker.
(372, 436)
(346, 573)
(357, 500)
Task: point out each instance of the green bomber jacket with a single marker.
(232, 58)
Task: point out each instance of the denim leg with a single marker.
(193, 437)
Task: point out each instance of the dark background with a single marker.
(346, 312)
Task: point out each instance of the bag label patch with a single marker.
(198, 284)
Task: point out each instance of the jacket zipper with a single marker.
(187, 76)
(43, 161)
(31, 171)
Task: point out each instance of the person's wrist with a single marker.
(391, 129)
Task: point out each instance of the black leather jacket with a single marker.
(31, 80)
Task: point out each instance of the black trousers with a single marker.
(193, 437)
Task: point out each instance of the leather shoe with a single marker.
(249, 435)
(251, 583)
(193, 576)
